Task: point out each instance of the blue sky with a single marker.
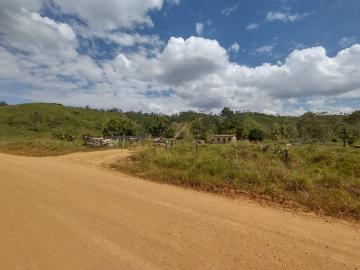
(271, 56)
(325, 23)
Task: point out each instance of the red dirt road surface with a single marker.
(71, 212)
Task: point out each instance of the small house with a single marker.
(222, 139)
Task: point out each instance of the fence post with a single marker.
(123, 144)
(196, 142)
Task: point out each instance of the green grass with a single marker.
(324, 179)
(32, 129)
(41, 147)
(38, 120)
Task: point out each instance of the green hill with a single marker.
(44, 120)
(34, 129)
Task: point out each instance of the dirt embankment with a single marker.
(71, 212)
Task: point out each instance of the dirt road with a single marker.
(72, 213)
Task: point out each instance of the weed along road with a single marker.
(72, 212)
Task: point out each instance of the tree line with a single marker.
(310, 127)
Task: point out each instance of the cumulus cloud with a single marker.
(201, 74)
(102, 15)
(191, 59)
(306, 73)
(39, 56)
(30, 32)
(181, 61)
(111, 14)
(109, 21)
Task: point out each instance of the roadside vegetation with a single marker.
(325, 179)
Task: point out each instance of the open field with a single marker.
(73, 212)
(321, 178)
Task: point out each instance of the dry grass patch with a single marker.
(325, 179)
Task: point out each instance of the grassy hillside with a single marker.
(33, 129)
(44, 120)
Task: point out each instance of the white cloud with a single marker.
(229, 10)
(129, 40)
(17, 5)
(111, 14)
(308, 72)
(199, 28)
(347, 41)
(40, 54)
(267, 49)
(181, 61)
(284, 17)
(100, 15)
(201, 75)
(252, 26)
(30, 32)
(234, 48)
(173, 2)
(107, 20)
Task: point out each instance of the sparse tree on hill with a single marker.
(203, 127)
(226, 112)
(231, 125)
(256, 135)
(344, 135)
(159, 126)
(120, 126)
